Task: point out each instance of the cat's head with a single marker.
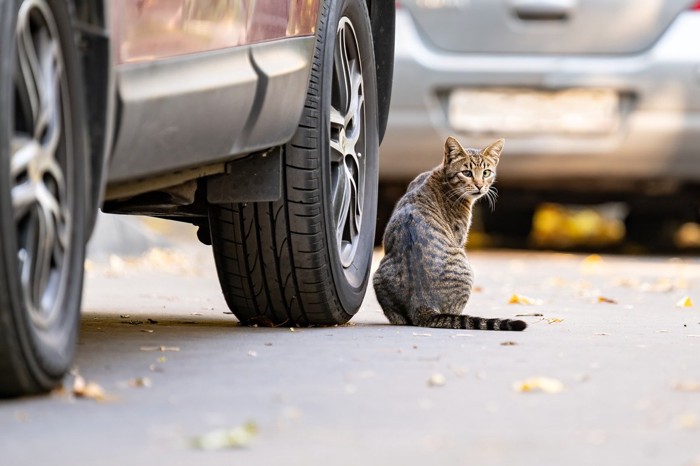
(469, 173)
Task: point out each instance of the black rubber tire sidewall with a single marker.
(278, 262)
(350, 284)
(34, 360)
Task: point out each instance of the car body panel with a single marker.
(147, 30)
(543, 26)
(226, 102)
(657, 139)
(204, 82)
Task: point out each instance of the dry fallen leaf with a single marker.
(603, 299)
(508, 343)
(662, 285)
(238, 437)
(160, 348)
(437, 380)
(140, 382)
(688, 421)
(116, 265)
(687, 386)
(522, 299)
(83, 389)
(591, 264)
(539, 384)
(685, 301)
(555, 320)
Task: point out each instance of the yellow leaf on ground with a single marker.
(591, 264)
(687, 386)
(555, 320)
(238, 437)
(592, 259)
(437, 380)
(522, 299)
(83, 389)
(603, 299)
(685, 301)
(538, 384)
(138, 382)
(688, 421)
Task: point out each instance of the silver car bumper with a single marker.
(658, 136)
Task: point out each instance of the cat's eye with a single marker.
(468, 173)
(487, 173)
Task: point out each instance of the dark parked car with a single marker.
(259, 122)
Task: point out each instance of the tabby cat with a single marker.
(425, 278)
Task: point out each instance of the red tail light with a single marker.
(696, 6)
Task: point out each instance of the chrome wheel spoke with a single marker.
(41, 157)
(24, 151)
(353, 120)
(41, 260)
(342, 70)
(347, 141)
(23, 199)
(337, 136)
(342, 204)
(29, 70)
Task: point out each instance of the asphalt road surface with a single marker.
(608, 373)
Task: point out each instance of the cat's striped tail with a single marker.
(435, 320)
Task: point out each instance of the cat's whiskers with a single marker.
(492, 197)
(464, 196)
(455, 194)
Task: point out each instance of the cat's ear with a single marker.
(494, 150)
(453, 150)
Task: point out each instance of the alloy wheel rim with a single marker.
(348, 154)
(40, 164)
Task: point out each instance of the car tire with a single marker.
(305, 259)
(43, 157)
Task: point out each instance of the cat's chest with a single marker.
(460, 231)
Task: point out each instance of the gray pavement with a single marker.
(371, 393)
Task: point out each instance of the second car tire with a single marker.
(305, 260)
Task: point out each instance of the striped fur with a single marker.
(424, 278)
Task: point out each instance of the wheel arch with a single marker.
(383, 17)
(90, 23)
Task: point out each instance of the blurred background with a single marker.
(599, 103)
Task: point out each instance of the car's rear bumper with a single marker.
(659, 134)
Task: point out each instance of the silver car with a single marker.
(258, 121)
(595, 98)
